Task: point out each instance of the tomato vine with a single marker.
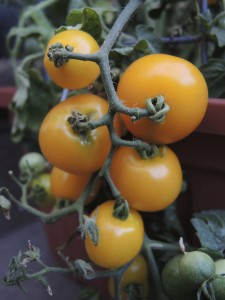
(122, 211)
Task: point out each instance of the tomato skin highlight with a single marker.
(180, 83)
(74, 74)
(119, 241)
(68, 150)
(147, 184)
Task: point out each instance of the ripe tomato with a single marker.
(119, 241)
(69, 150)
(74, 74)
(148, 184)
(41, 188)
(137, 273)
(69, 186)
(179, 82)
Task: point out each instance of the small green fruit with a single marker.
(220, 267)
(218, 285)
(196, 267)
(174, 286)
(32, 162)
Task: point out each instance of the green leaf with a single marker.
(82, 268)
(210, 229)
(214, 73)
(89, 228)
(219, 35)
(23, 84)
(87, 20)
(74, 17)
(32, 101)
(30, 31)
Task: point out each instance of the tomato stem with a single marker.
(54, 54)
(75, 120)
(154, 268)
(121, 209)
(157, 108)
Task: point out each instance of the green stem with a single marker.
(47, 270)
(114, 190)
(153, 268)
(162, 246)
(83, 197)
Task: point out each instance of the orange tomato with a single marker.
(71, 151)
(119, 240)
(74, 74)
(180, 83)
(69, 186)
(147, 184)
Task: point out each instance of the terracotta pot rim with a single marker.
(214, 119)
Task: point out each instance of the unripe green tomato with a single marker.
(220, 266)
(174, 286)
(218, 285)
(219, 282)
(41, 188)
(32, 162)
(196, 267)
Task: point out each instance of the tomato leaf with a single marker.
(214, 73)
(87, 20)
(218, 34)
(89, 228)
(155, 7)
(210, 229)
(83, 268)
(74, 17)
(32, 101)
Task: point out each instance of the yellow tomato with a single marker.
(74, 74)
(119, 240)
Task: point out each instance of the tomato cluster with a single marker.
(149, 180)
(185, 273)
